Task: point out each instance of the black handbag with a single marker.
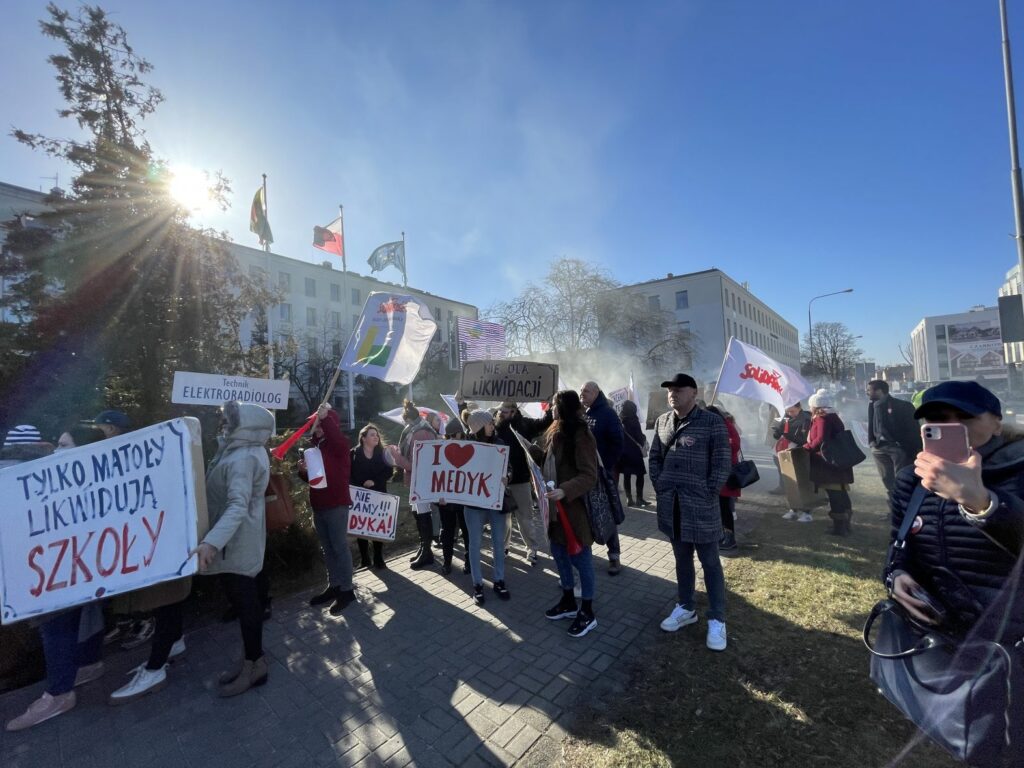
(604, 506)
(958, 691)
(744, 473)
(841, 450)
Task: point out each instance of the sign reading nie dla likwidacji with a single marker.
(101, 519)
(519, 380)
(213, 389)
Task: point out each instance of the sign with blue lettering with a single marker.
(213, 389)
(102, 519)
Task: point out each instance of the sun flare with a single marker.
(190, 188)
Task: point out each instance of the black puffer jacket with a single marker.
(964, 562)
(531, 429)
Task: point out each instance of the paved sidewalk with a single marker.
(414, 674)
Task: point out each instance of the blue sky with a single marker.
(800, 145)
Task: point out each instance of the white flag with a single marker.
(748, 372)
(396, 415)
(390, 339)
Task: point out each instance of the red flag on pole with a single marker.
(331, 238)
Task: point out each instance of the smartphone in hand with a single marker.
(947, 441)
(935, 609)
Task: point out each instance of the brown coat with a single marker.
(575, 478)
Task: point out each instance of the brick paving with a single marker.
(414, 674)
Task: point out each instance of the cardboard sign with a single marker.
(497, 380)
(657, 404)
(537, 481)
(213, 389)
(373, 515)
(101, 519)
(460, 472)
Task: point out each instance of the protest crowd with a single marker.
(556, 477)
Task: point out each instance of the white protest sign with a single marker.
(536, 480)
(459, 472)
(519, 380)
(101, 519)
(373, 515)
(213, 389)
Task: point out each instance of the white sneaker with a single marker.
(716, 635)
(679, 618)
(805, 517)
(177, 649)
(791, 515)
(143, 681)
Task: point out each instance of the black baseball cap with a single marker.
(680, 380)
(967, 396)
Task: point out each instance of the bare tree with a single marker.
(310, 362)
(831, 351)
(653, 337)
(559, 314)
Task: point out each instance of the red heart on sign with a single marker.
(459, 455)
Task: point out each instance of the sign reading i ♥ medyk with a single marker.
(460, 472)
(102, 519)
(214, 389)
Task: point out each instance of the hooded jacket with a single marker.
(236, 482)
(519, 469)
(631, 462)
(965, 561)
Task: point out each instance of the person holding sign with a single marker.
(330, 505)
(481, 427)
(372, 467)
(72, 639)
(236, 481)
(509, 419)
(453, 518)
(569, 461)
(416, 429)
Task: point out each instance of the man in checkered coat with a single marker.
(689, 462)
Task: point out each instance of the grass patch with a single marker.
(792, 689)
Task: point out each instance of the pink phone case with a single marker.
(947, 441)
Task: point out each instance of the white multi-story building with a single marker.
(712, 307)
(321, 304)
(964, 345)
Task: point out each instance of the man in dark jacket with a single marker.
(607, 429)
(509, 419)
(689, 462)
(892, 432)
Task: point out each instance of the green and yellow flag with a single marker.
(258, 218)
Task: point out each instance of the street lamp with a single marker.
(810, 328)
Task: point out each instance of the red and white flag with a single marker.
(331, 238)
(748, 372)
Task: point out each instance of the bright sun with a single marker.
(190, 187)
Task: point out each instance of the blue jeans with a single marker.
(714, 578)
(475, 519)
(332, 528)
(63, 652)
(584, 564)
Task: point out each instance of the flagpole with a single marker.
(341, 217)
(718, 381)
(405, 277)
(266, 210)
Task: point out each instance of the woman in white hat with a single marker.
(836, 481)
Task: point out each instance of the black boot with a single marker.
(419, 553)
(343, 600)
(364, 553)
(425, 525)
(329, 594)
(378, 556)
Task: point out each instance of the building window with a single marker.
(335, 292)
(336, 320)
(336, 348)
(286, 312)
(355, 297)
(284, 282)
(684, 327)
(311, 287)
(654, 303)
(355, 322)
(311, 316)
(682, 300)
